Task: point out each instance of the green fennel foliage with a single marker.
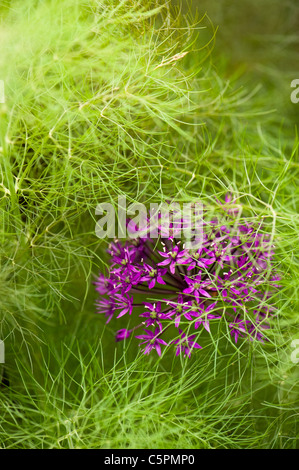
(128, 97)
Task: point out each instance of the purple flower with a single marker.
(185, 344)
(197, 259)
(153, 275)
(152, 341)
(179, 308)
(219, 254)
(230, 268)
(239, 327)
(246, 328)
(274, 280)
(122, 334)
(154, 314)
(230, 206)
(196, 287)
(125, 258)
(201, 312)
(106, 307)
(124, 303)
(103, 284)
(173, 257)
(125, 279)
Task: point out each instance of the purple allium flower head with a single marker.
(174, 289)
